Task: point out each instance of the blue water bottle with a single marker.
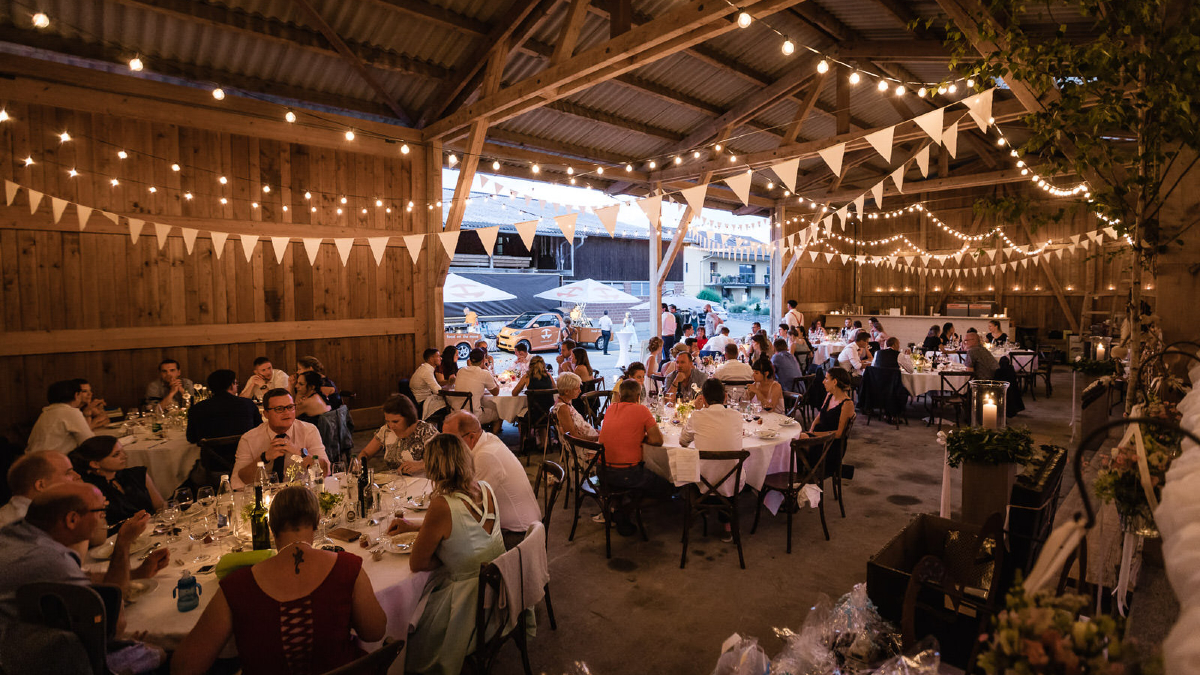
(188, 592)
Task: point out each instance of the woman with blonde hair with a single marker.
(653, 349)
(460, 533)
(568, 418)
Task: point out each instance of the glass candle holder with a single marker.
(988, 399)
(1101, 347)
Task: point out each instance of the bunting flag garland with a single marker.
(112, 217)
(83, 213)
(218, 242)
(931, 124)
(882, 142)
(980, 107)
(833, 157)
(160, 232)
(135, 228)
(248, 242)
(57, 206)
(877, 194)
(35, 198)
(189, 238)
(950, 139)
(487, 237)
(693, 196)
(528, 229)
(651, 206)
(923, 161)
(740, 184)
(10, 191)
(279, 244)
(312, 247)
(813, 255)
(449, 241)
(344, 246)
(898, 178)
(607, 216)
(378, 248)
(858, 204)
(566, 223)
(785, 171)
(413, 243)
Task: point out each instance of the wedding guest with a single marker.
(834, 417)
(61, 426)
(933, 339)
(717, 342)
(583, 366)
(693, 347)
(877, 333)
(402, 439)
(332, 396)
(91, 407)
(949, 336)
(280, 440)
(566, 357)
(713, 426)
(855, 356)
(293, 612)
(536, 378)
(667, 319)
(755, 329)
(569, 420)
(223, 413)
(701, 338)
(766, 387)
(449, 367)
(424, 381)
(606, 330)
(679, 323)
(567, 332)
(520, 364)
(889, 356)
(848, 332)
(979, 359)
(460, 533)
(475, 379)
(101, 461)
(497, 466)
(489, 363)
(29, 476)
(817, 329)
(683, 384)
(635, 371)
(787, 368)
(654, 348)
(995, 335)
(712, 322)
(310, 401)
(760, 348)
(627, 426)
(170, 385)
(689, 332)
(264, 379)
(733, 369)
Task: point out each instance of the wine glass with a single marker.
(168, 515)
(206, 497)
(199, 528)
(183, 497)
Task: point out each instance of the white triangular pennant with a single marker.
(651, 206)
(280, 244)
(378, 248)
(248, 242)
(1075, 238)
(528, 229)
(931, 124)
(189, 238)
(135, 228)
(923, 161)
(413, 243)
(877, 194)
(740, 184)
(694, 196)
(344, 245)
(991, 253)
(1095, 236)
(845, 258)
(786, 173)
(10, 191)
(828, 257)
(312, 247)
(449, 242)
(111, 216)
(813, 255)
(487, 237)
(980, 107)
(858, 204)
(1058, 253)
(898, 178)
(882, 142)
(83, 213)
(950, 139)
(841, 214)
(833, 157)
(57, 206)
(218, 242)
(35, 198)
(566, 223)
(160, 232)
(1111, 231)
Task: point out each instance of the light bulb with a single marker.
(349, 134)
(339, 211)
(266, 188)
(224, 200)
(378, 202)
(599, 171)
(28, 161)
(3, 115)
(175, 167)
(64, 137)
(343, 200)
(770, 185)
(453, 159)
(789, 47)
(187, 196)
(313, 209)
(823, 66)
(135, 64)
(732, 159)
(717, 147)
(922, 92)
(883, 85)
(678, 160)
(696, 154)
(40, 20)
(991, 120)
(653, 165)
(744, 20)
(854, 77)
(941, 90)
(899, 90)
(970, 82)
(307, 194)
(570, 171)
(289, 116)
(114, 182)
(222, 180)
(404, 150)
(122, 154)
(628, 168)
(495, 166)
(572, 180)
(536, 168)
(153, 189)
(1000, 141)
(219, 94)
(364, 212)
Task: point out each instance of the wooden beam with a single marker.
(568, 37)
(616, 121)
(1053, 279)
(355, 62)
(678, 29)
(806, 107)
(620, 19)
(895, 51)
(466, 174)
(27, 343)
(439, 16)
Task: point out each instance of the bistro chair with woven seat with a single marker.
(594, 404)
(953, 394)
(706, 496)
(453, 401)
(803, 469)
(1023, 363)
(1044, 370)
(492, 628)
(588, 457)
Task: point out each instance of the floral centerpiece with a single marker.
(200, 393)
(328, 502)
(707, 361)
(1046, 634)
(509, 375)
(1119, 479)
(684, 410)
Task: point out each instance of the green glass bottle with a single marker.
(260, 531)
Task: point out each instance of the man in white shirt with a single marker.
(496, 465)
(606, 330)
(713, 427)
(668, 329)
(478, 381)
(732, 369)
(424, 382)
(855, 356)
(794, 318)
(717, 342)
(711, 321)
(61, 427)
(280, 440)
(265, 378)
(30, 475)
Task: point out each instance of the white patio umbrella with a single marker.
(586, 292)
(462, 289)
(685, 302)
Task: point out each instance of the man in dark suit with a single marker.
(889, 356)
(224, 413)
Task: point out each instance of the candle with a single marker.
(989, 413)
(1100, 352)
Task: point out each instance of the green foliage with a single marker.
(709, 295)
(1012, 445)
(1096, 368)
(1126, 76)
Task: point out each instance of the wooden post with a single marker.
(923, 237)
(775, 266)
(655, 238)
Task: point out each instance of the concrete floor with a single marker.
(639, 612)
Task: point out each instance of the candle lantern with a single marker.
(988, 399)
(1101, 347)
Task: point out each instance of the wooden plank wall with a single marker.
(1026, 293)
(55, 279)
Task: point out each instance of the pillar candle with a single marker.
(989, 414)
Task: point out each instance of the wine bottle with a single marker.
(260, 531)
(364, 492)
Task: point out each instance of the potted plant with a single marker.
(989, 459)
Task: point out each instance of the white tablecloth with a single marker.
(827, 350)
(398, 589)
(766, 455)
(629, 343)
(167, 460)
(510, 407)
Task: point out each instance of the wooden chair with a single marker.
(953, 393)
(801, 471)
(1045, 369)
(376, 663)
(660, 383)
(453, 401)
(595, 403)
(536, 420)
(706, 496)
(490, 614)
(76, 609)
(837, 470)
(553, 475)
(1022, 362)
(217, 456)
(589, 483)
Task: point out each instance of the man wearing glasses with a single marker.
(278, 442)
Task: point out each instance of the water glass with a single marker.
(199, 528)
(206, 497)
(183, 497)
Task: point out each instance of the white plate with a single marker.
(787, 422)
(402, 543)
(140, 587)
(103, 551)
(410, 504)
(766, 434)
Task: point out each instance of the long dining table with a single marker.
(167, 455)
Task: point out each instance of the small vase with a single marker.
(1140, 522)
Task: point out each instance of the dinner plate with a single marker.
(766, 434)
(402, 543)
(103, 551)
(382, 479)
(787, 422)
(140, 587)
(415, 506)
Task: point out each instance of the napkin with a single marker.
(685, 465)
(127, 440)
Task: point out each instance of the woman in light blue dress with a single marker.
(461, 532)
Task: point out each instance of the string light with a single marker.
(121, 154)
(40, 20)
(266, 188)
(678, 160)
(3, 115)
(64, 137)
(218, 94)
(223, 180)
(854, 77)
(823, 67)
(152, 189)
(404, 149)
(224, 200)
(29, 161)
(788, 47)
(289, 117)
(899, 90)
(495, 166)
(135, 64)
(378, 202)
(922, 92)
(653, 165)
(537, 169)
(114, 182)
(175, 167)
(72, 173)
(187, 196)
(628, 168)
(743, 20)
(349, 134)
(307, 195)
(883, 85)
(599, 171)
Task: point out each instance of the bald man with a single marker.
(497, 466)
(30, 475)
